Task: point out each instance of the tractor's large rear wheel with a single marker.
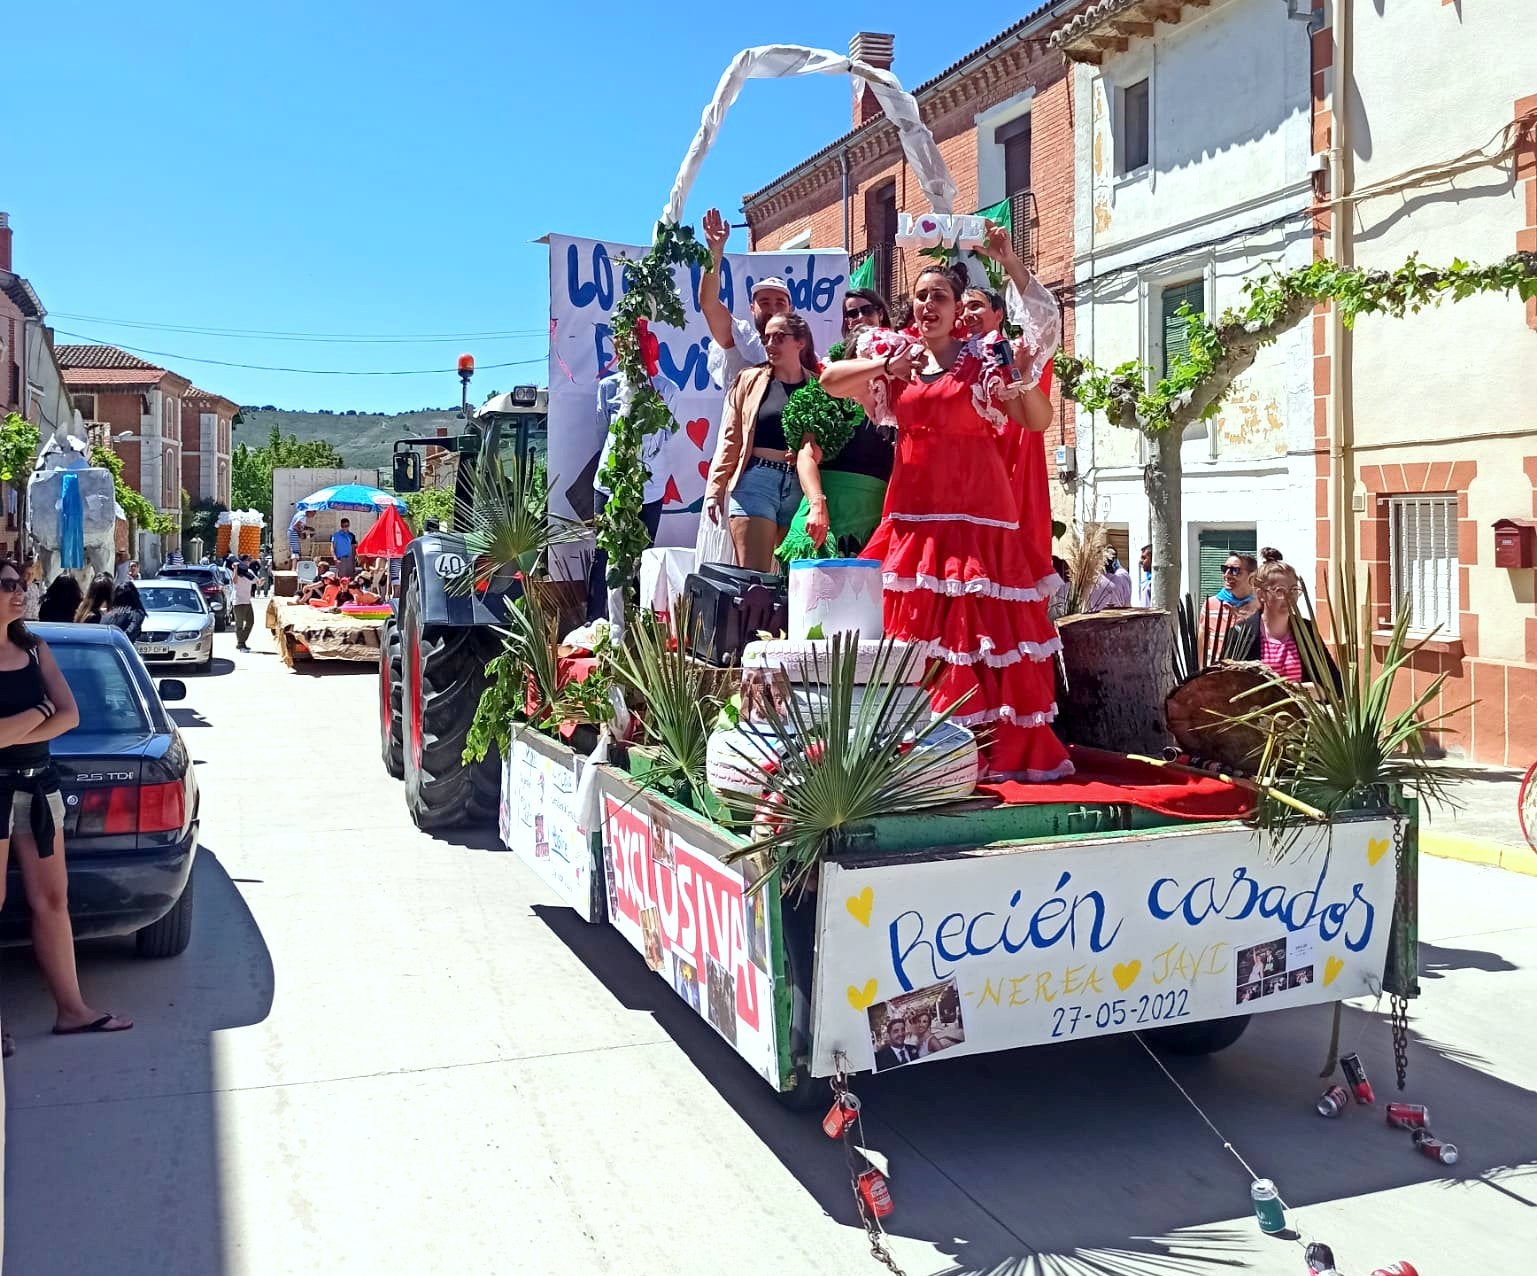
(443, 673)
(391, 728)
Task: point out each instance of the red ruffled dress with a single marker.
(966, 580)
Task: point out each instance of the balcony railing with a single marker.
(885, 256)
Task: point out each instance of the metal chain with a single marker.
(857, 1164)
(1398, 1008)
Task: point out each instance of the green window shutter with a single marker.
(1214, 545)
(1176, 337)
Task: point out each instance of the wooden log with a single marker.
(1118, 668)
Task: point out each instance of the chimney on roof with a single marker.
(873, 49)
(5, 241)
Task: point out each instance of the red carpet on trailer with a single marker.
(1105, 778)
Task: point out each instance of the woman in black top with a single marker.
(98, 598)
(35, 707)
(127, 610)
(63, 599)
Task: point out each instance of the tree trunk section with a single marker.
(1162, 481)
(1119, 671)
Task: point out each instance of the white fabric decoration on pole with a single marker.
(779, 61)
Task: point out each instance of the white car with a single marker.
(178, 624)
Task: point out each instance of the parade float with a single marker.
(804, 851)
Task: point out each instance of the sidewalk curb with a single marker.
(1472, 850)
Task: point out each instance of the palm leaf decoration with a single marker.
(679, 695)
(508, 523)
(1343, 748)
(828, 767)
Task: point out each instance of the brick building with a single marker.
(207, 428)
(1002, 120)
(141, 406)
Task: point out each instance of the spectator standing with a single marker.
(245, 617)
(1112, 589)
(98, 599)
(36, 706)
(344, 546)
(127, 611)
(1235, 601)
(1143, 594)
(62, 601)
(29, 573)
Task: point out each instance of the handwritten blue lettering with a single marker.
(601, 286)
(695, 367)
(910, 941)
(1297, 911)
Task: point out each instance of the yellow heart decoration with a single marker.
(1126, 973)
(862, 998)
(859, 906)
(1376, 848)
(1332, 969)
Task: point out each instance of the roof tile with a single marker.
(100, 357)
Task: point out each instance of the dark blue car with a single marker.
(130, 800)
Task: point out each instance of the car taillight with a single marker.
(213, 591)
(125, 809)
(162, 807)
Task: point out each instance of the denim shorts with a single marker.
(767, 489)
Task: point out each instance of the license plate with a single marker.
(148, 649)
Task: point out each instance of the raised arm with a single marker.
(850, 378)
(717, 318)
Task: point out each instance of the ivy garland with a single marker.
(650, 296)
(831, 422)
(1198, 382)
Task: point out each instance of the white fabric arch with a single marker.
(780, 61)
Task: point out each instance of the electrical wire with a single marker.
(312, 372)
(266, 334)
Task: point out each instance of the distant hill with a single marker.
(363, 440)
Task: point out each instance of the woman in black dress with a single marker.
(35, 707)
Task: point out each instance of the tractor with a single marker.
(434, 649)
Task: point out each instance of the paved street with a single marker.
(385, 1053)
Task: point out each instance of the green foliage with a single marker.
(1193, 389)
(826, 768)
(200, 520)
(680, 706)
(140, 512)
(251, 468)
(507, 525)
(1344, 748)
(650, 296)
(18, 448)
(831, 422)
(430, 502)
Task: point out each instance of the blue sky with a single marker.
(380, 169)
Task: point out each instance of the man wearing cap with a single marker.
(735, 343)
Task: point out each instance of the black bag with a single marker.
(729, 606)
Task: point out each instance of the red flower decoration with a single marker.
(650, 347)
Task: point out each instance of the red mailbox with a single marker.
(1513, 539)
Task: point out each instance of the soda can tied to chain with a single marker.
(1434, 1148)
(875, 1192)
(1332, 1101)
(843, 1114)
(1267, 1206)
(1408, 1116)
(1400, 1268)
(1320, 1260)
(1355, 1073)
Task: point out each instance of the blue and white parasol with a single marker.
(350, 496)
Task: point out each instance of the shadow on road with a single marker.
(1083, 1159)
(1436, 961)
(113, 1158)
(184, 717)
(218, 667)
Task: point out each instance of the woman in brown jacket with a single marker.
(752, 479)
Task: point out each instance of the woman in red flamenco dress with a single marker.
(962, 584)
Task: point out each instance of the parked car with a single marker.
(130, 800)
(214, 582)
(178, 625)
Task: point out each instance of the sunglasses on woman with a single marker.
(866, 311)
(11, 585)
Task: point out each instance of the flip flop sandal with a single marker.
(97, 1025)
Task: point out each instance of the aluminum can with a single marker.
(1320, 1260)
(1434, 1148)
(1356, 1075)
(1397, 1269)
(1408, 1116)
(843, 1114)
(877, 1195)
(1332, 1101)
(1267, 1206)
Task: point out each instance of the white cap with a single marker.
(773, 284)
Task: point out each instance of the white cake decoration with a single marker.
(835, 595)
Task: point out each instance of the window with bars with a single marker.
(1422, 562)
(1175, 326)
